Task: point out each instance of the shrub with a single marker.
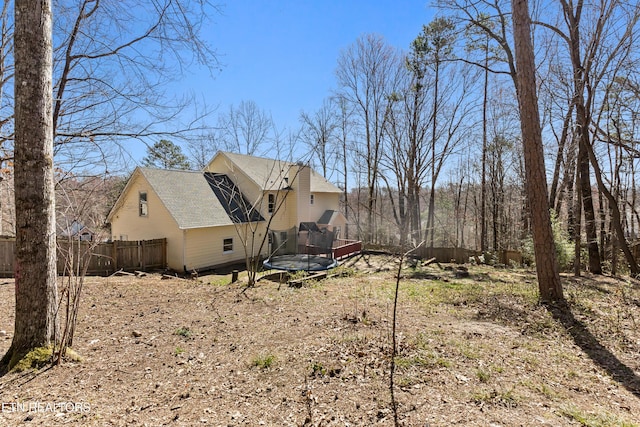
(565, 251)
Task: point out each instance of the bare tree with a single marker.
(253, 218)
(246, 129)
(599, 41)
(366, 75)
(479, 40)
(36, 324)
(319, 135)
(397, 170)
(6, 77)
(487, 29)
(573, 17)
(81, 208)
(406, 156)
(345, 125)
(437, 44)
(113, 64)
(202, 148)
(536, 182)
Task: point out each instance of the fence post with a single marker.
(143, 255)
(164, 252)
(114, 255)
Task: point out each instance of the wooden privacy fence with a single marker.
(462, 255)
(103, 258)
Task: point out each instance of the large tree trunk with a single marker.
(35, 263)
(536, 183)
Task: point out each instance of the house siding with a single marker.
(323, 202)
(156, 225)
(204, 246)
(284, 215)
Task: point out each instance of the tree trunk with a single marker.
(576, 231)
(432, 192)
(536, 183)
(616, 219)
(35, 263)
(583, 118)
(595, 264)
(553, 195)
(483, 179)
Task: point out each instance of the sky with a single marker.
(283, 54)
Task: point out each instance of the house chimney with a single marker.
(302, 185)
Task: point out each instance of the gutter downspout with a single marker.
(184, 249)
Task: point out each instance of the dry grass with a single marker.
(477, 351)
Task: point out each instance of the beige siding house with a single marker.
(217, 216)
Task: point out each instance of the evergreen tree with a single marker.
(165, 154)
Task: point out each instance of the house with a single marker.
(73, 230)
(216, 216)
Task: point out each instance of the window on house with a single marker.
(227, 245)
(272, 203)
(311, 199)
(142, 199)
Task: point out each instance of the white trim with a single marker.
(224, 244)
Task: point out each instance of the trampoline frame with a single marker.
(299, 262)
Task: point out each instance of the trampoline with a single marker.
(300, 262)
(305, 249)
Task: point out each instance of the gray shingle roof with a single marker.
(268, 174)
(188, 197)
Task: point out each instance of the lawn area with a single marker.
(473, 351)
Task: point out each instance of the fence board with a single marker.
(461, 255)
(7, 254)
(102, 259)
(457, 255)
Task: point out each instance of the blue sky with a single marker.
(283, 54)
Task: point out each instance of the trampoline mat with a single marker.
(298, 262)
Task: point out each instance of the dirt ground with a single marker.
(473, 351)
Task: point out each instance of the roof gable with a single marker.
(188, 196)
(271, 174)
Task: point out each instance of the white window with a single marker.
(142, 199)
(311, 199)
(227, 245)
(272, 203)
